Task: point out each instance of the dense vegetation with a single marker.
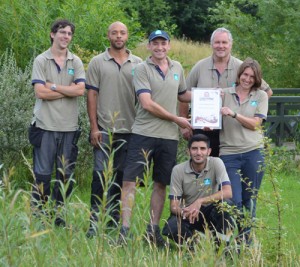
(265, 30)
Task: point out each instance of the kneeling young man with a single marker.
(198, 186)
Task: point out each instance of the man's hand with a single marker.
(183, 123)
(192, 212)
(207, 129)
(96, 138)
(186, 133)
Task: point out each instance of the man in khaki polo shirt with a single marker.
(198, 188)
(58, 79)
(216, 71)
(159, 82)
(111, 108)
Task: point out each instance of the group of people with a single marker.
(132, 109)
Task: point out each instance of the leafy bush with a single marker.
(16, 101)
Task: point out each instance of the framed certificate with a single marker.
(205, 108)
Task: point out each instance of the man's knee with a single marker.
(176, 229)
(128, 187)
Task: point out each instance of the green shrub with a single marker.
(16, 101)
(25, 24)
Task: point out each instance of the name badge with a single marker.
(207, 181)
(71, 72)
(254, 103)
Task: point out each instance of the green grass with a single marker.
(26, 243)
(290, 203)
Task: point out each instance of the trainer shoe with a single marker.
(154, 236)
(93, 228)
(59, 222)
(92, 232)
(123, 235)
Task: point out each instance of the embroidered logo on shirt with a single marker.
(176, 77)
(132, 72)
(254, 103)
(207, 181)
(71, 72)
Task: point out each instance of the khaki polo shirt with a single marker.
(204, 75)
(187, 185)
(234, 138)
(60, 114)
(116, 94)
(164, 91)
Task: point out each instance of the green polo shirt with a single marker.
(205, 75)
(234, 138)
(60, 114)
(116, 94)
(164, 91)
(189, 186)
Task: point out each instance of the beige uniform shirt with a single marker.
(205, 75)
(188, 186)
(116, 96)
(164, 91)
(235, 138)
(60, 114)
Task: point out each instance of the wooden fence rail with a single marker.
(284, 115)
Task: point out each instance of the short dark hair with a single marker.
(254, 65)
(198, 138)
(60, 24)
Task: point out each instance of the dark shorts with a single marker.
(144, 150)
(119, 146)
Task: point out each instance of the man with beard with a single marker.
(111, 109)
(199, 188)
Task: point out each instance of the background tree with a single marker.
(269, 32)
(191, 18)
(152, 14)
(25, 24)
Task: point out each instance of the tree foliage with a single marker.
(152, 14)
(190, 16)
(25, 24)
(269, 33)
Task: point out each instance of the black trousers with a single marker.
(210, 216)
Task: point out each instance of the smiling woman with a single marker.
(241, 139)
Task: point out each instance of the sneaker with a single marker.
(92, 232)
(59, 222)
(93, 229)
(114, 219)
(123, 235)
(154, 236)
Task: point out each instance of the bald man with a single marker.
(111, 108)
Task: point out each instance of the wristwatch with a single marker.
(53, 87)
